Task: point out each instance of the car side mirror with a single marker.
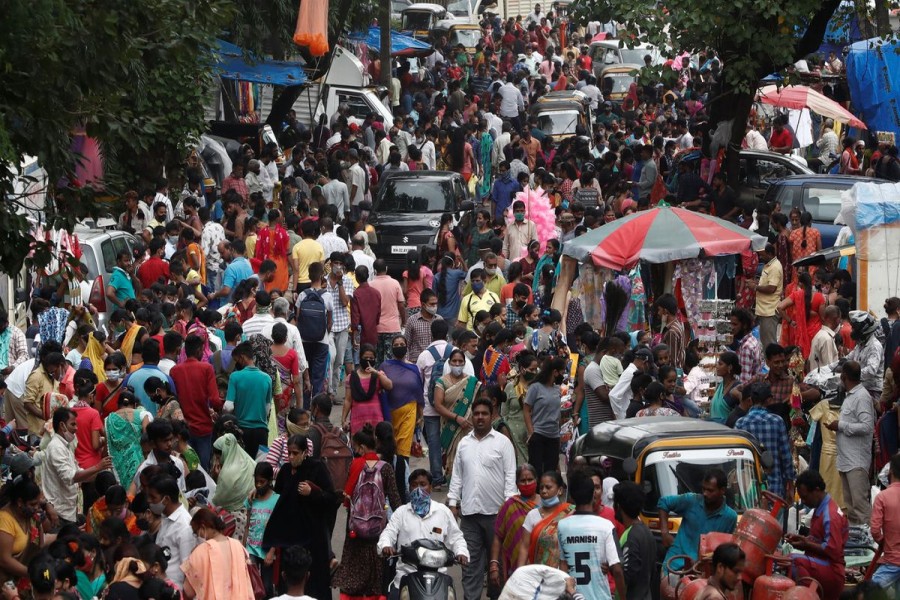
(629, 465)
(767, 460)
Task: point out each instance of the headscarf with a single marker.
(52, 324)
(262, 355)
(236, 476)
(125, 573)
(94, 352)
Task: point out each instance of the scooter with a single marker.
(427, 582)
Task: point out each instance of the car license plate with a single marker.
(402, 249)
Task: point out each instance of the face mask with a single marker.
(528, 489)
(470, 355)
(262, 491)
(366, 363)
(491, 271)
(529, 376)
(142, 523)
(558, 380)
(399, 351)
(173, 240)
(431, 310)
(113, 375)
(477, 286)
(123, 513)
(420, 501)
(67, 435)
(28, 512)
(550, 502)
(157, 508)
(88, 564)
(456, 370)
(520, 217)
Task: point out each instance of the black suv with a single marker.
(406, 214)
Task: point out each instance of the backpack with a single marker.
(335, 453)
(437, 369)
(368, 514)
(222, 374)
(312, 317)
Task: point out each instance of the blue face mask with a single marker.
(477, 286)
(420, 501)
(550, 502)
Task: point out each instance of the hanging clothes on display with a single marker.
(638, 303)
(312, 26)
(697, 282)
(592, 280)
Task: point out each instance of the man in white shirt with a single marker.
(281, 308)
(534, 17)
(511, 101)
(268, 174)
(421, 519)
(685, 139)
(359, 254)
(329, 240)
(263, 318)
(429, 154)
(175, 528)
(335, 190)
(754, 140)
(59, 472)
(591, 90)
(357, 178)
(162, 195)
(484, 476)
(823, 350)
(620, 396)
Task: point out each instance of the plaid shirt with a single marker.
(18, 348)
(512, 317)
(769, 431)
(418, 334)
(340, 318)
(750, 357)
(781, 387)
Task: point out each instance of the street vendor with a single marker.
(700, 513)
(823, 548)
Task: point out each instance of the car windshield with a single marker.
(415, 196)
(416, 20)
(559, 122)
(616, 83)
(459, 9)
(635, 56)
(671, 472)
(823, 203)
(466, 37)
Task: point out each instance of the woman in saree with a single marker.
(106, 396)
(287, 363)
(508, 530)
(217, 568)
(123, 437)
(806, 316)
(130, 335)
(538, 544)
(234, 481)
(405, 398)
(454, 392)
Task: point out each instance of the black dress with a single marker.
(303, 520)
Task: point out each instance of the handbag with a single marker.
(256, 582)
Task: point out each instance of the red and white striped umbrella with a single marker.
(800, 96)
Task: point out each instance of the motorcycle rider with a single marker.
(420, 519)
(868, 352)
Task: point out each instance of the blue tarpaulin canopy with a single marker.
(873, 74)
(401, 45)
(230, 62)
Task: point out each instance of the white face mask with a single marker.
(431, 310)
(114, 375)
(456, 370)
(470, 355)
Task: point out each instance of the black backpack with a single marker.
(438, 368)
(312, 316)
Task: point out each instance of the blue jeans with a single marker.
(433, 440)
(886, 577)
(317, 357)
(202, 445)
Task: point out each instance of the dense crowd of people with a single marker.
(253, 366)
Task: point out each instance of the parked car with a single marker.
(99, 248)
(759, 168)
(818, 194)
(406, 214)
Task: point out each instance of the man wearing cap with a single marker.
(620, 396)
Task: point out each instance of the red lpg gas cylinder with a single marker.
(708, 544)
(674, 579)
(690, 587)
(771, 587)
(758, 534)
(808, 589)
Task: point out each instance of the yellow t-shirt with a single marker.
(305, 253)
(772, 274)
(250, 242)
(472, 304)
(10, 526)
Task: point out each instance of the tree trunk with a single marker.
(384, 22)
(882, 18)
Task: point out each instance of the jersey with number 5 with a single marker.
(585, 543)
